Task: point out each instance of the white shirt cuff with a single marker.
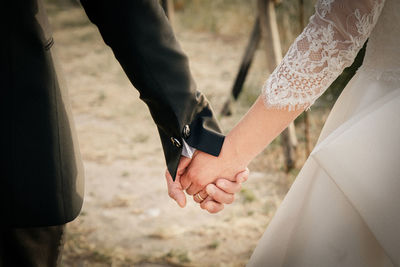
(187, 150)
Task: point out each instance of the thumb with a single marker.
(242, 176)
(183, 163)
(175, 190)
(179, 197)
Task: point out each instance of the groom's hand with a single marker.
(205, 169)
(175, 190)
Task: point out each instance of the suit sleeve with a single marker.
(142, 40)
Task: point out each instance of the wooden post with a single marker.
(269, 29)
(270, 33)
(265, 26)
(244, 67)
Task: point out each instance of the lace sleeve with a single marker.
(329, 43)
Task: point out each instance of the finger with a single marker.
(219, 195)
(175, 190)
(203, 204)
(183, 163)
(185, 181)
(178, 196)
(228, 186)
(193, 189)
(213, 207)
(178, 192)
(203, 195)
(243, 176)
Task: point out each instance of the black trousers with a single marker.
(36, 246)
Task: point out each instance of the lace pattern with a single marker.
(328, 44)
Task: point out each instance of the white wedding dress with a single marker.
(344, 207)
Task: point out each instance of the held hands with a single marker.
(222, 192)
(212, 181)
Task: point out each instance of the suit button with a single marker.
(186, 131)
(176, 142)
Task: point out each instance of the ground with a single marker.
(127, 218)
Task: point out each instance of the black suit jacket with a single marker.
(42, 175)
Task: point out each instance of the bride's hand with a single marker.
(205, 169)
(214, 196)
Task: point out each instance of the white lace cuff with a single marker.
(329, 43)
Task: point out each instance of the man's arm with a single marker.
(142, 40)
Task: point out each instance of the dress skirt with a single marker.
(344, 207)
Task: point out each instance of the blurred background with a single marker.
(128, 218)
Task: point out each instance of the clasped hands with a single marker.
(212, 181)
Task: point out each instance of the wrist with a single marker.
(230, 153)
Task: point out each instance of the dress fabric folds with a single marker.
(344, 207)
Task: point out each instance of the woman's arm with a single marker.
(247, 139)
(256, 130)
(329, 43)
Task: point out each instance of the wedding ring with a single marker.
(199, 197)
